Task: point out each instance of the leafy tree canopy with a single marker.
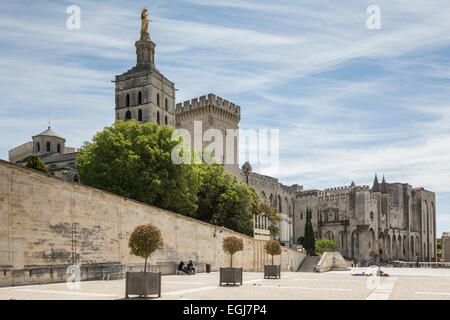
(224, 201)
(36, 163)
(231, 245)
(134, 160)
(144, 240)
(273, 247)
(325, 245)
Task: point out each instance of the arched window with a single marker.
(128, 115)
(140, 114)
(58, 148)
(157, 99)
(166, 122)
(167, 105)
(48, 146)
(128, 100)
(38, 147)
(140, 97)
(157, 117)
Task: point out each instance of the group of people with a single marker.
(378, 273)
(188, 269)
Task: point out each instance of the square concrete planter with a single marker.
(143, 284)
(231, 276)
(272, 271)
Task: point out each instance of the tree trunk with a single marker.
(272, 260)
(231, 261)
(145, 265)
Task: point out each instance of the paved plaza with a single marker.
(429, 284)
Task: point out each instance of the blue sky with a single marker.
(348, 101)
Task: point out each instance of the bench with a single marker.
(110, 271)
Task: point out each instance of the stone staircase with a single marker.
(308, 264)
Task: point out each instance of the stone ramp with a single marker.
(308, 264)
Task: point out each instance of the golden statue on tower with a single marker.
(144, 27)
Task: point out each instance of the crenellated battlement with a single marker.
(209, 100)
(338, 189)
(346, 188)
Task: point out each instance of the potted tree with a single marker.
(273, 248)
(231, 245)
(144, 240)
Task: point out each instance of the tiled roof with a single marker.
(49, 133)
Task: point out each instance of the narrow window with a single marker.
(157, 117)
(157, 99)
(48, 146)
(128, 100)
(165, 120)
(140, 115)
(38, 147)
(167, 105)
(59, 148)
(140, 97)
(128, 115)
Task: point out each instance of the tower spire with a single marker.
(383, 186)
(376, 185)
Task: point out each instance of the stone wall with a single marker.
(446, 247)
(331, 261)
(47, 224)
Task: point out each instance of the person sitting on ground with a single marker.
(379, 272)
(190, 267)
(182, 267)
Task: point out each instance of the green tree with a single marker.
(272, 215)
(309, 241)
(224, 201)
(134, 160)
(231, 245)
(273, 248)
(36, 163)
(439, 247)
(325, 245)
(144, 240)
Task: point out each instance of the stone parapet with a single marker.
(209, 100)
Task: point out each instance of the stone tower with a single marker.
(212, 112)
(143, 93)
(48, 142)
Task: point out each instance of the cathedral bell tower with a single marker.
(143, 93)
